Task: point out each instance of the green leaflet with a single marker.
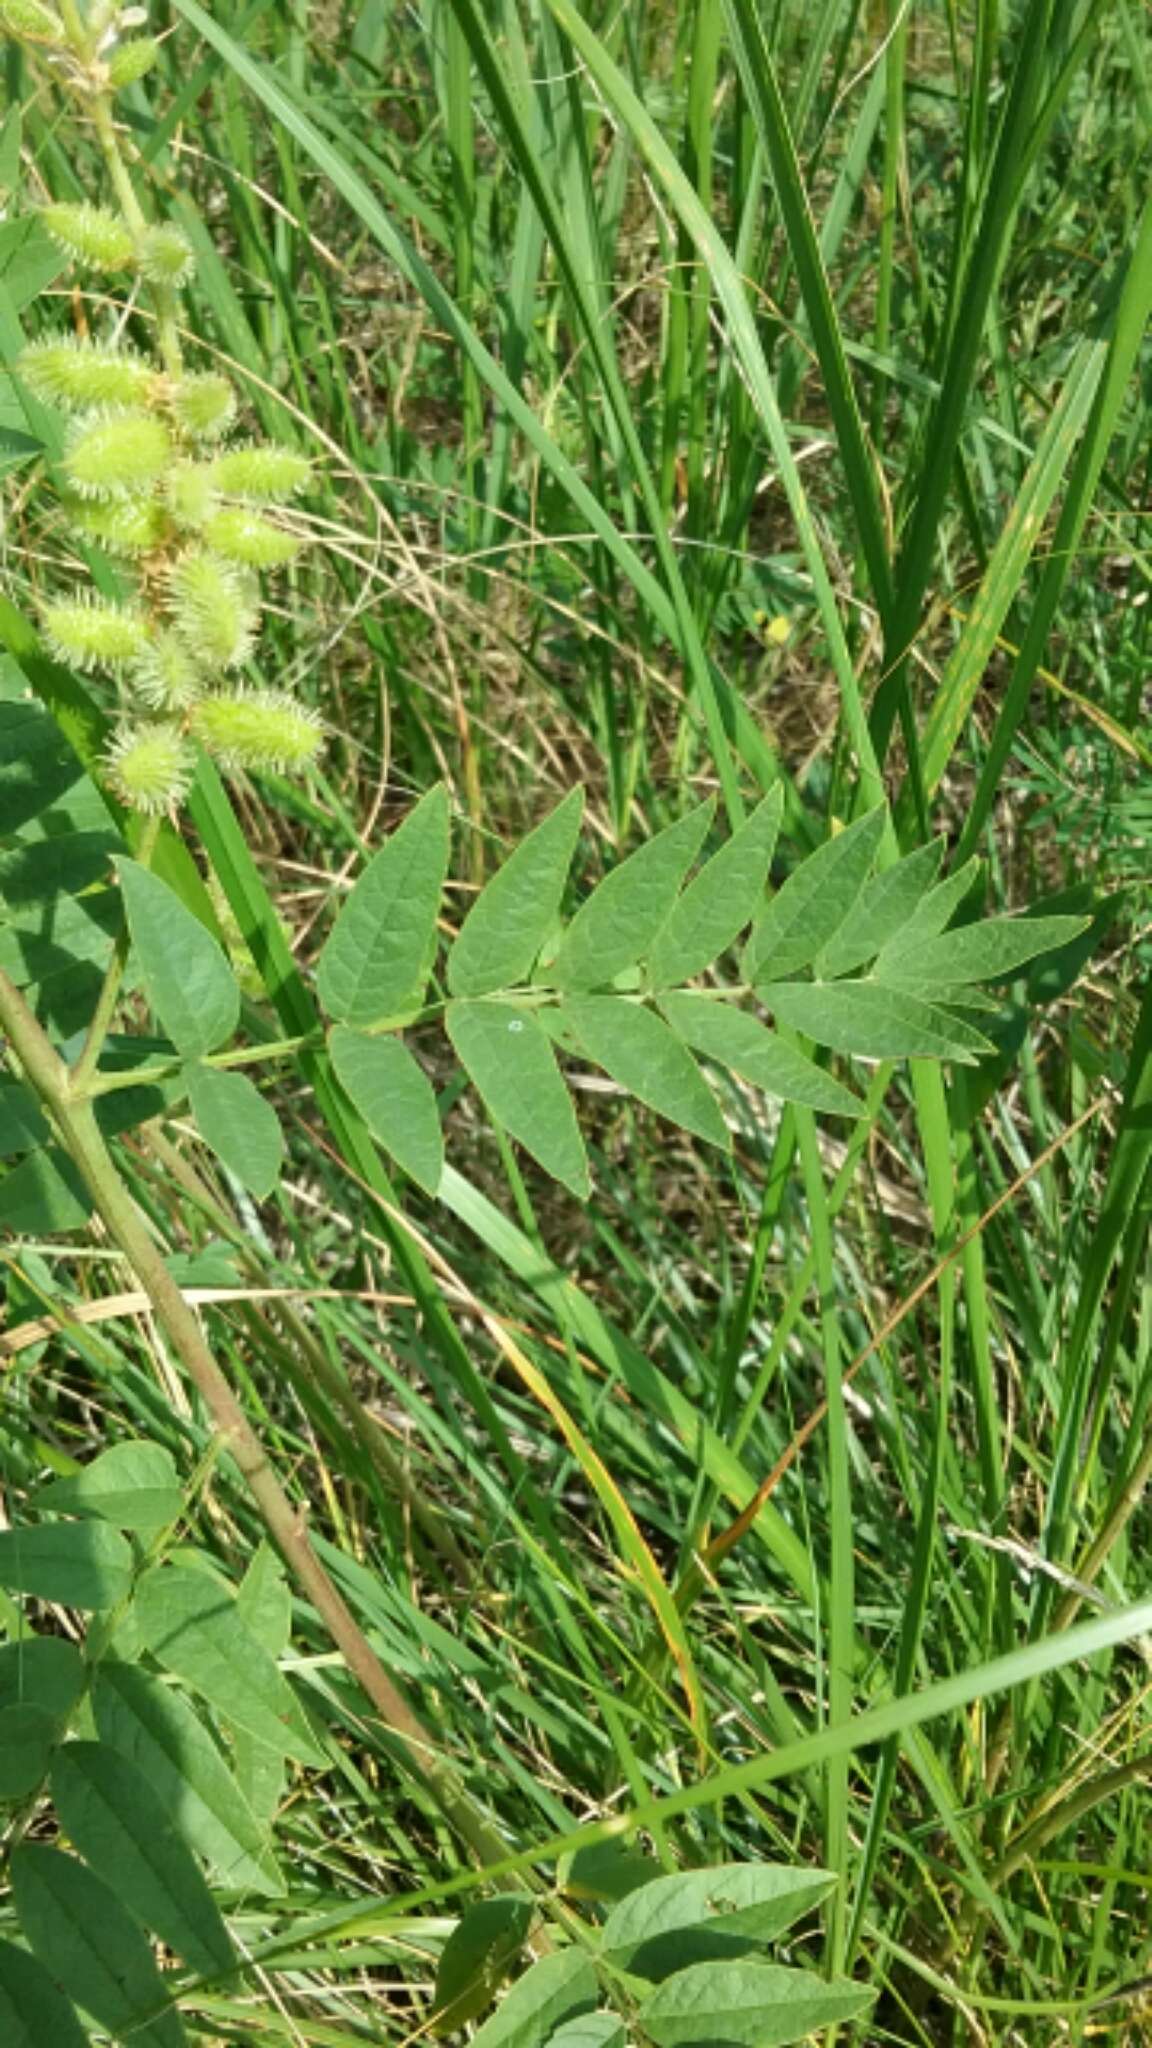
(132, 1485)
(551, 1990)
(265, 1602)
(42, 1671)
(377, 957)
(643, 1055)
(43, 1196)
(617, 923)
(978, 952)
(238, 1125)
(191, 1623)
(648, 1932)
(121, 1826)
(737, 1040)
(813, 903)
(36, 763)
(23, 1127)
(33, 2012)
(882, 908)
(395, 1098)
(186, 976)
(933, 912)
(75, 1924)
(590, 2030)
(873, 1022)
(27, 1738)
(748, 2005)
(508, 1057)
(45, 870)
(153, 1724)
(724, 897)
(80, 1564)
(511, 918)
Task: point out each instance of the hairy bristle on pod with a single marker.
(150, 767)
(213, 610)
(28, 20)
(242, 536)
(82, 374)
(132, 60)
(125, 526)
(263, 471)
(189, 488)
(90, 234)
(90, 632)
(259, 729)
(113, 457)
(204, 405)
(167, 676)
(166, 256)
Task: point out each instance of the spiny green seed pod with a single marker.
(213, 610)
(262, 471)
(90, 234)
(262, 729)
(150, 767)
(189, 488)
(203, 405)
(113, 457)
(167, 677)
(30, 22)
(125, 526)
(132, 60)
(244, 537)
(89, 632)
(82, 374)
(166, 256)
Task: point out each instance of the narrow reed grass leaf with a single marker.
(511, 918)
(717, 904)
(642, 1053)
(613, 929)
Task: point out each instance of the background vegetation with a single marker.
(704, 397)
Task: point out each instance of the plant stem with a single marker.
(106, 1001)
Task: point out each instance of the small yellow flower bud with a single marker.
(260, 729)
(150, 767)
(113, 457)
(90, 234)
(89, 632)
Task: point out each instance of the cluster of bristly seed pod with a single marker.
(150, 476)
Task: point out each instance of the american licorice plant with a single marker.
(563, 1408)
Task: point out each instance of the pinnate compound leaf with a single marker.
(882, 908)
(238, 1125)
(476, 1957)
(987, 951)
(649, 1932)
(74, 1922)
(80, 1564)
(153, 1725)
(132, 1485)
(551, 1991)
(376, 959)
(748, 2005)
(641, 1053)
(511, 918)
(616, 925)
(736, 1040)
(186, 975)
(34, 2012)
(724, 897)
(191, 1623)
(810, 907)
(43, 1196)
(395, 1098)
(121, 1826)
(508, 1057)
(872, 1022)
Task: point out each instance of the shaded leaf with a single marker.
(741, 1042)
(724, 897)
(395, 1098)
(42, 1671)
(514, 914)
(882, 908)
(75, 1924)
(810, 907)
(43, 1196)
(192, 1625)
(618, 922)
(750, 2005)
(46, 869)
(753, 1903)
(29, 259)
(80, 1564)
(23, 1126)
(265, 1602)
(508, 1057)
(987, 951)
(608, 1870)
(638, 1050)
(872, 1022)
(590, 2030)
(550, 1991)
(238, 1125)
(34, 2012)
(27, 1738)
(152, 1724)
(123, 1830)
(133, 1485)
(186, 976)
(377, 957)
(476, 1957)
(36, 763)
